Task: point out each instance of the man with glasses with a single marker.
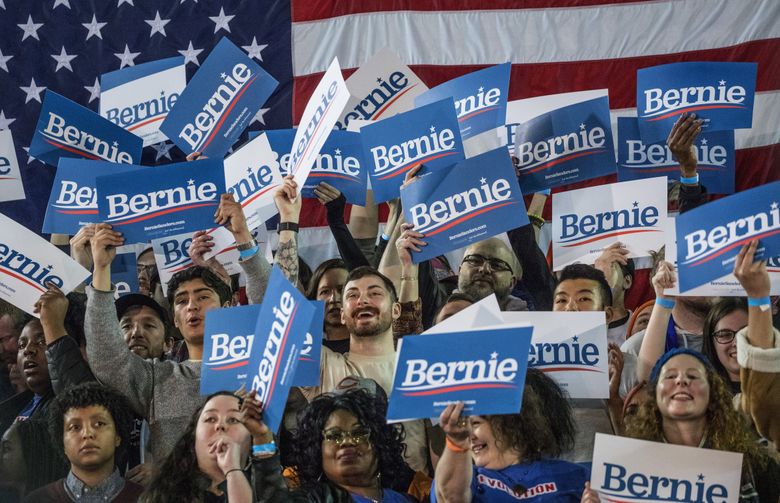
(489, 267)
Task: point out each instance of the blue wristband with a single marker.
(385, 237)
(758, 301)
(248, 253)
(667, 303)
(690, 180)
(269, 448)
(545, 192)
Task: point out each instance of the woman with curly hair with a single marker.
(725, 318)
(511, 453)
(343, 451)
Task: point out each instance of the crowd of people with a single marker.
(101, 396)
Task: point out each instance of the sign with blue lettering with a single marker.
(714, 152)
(227, 345)
(566, 145)
(464, 204)
(586, 220)
(709, 237)
(28, 262)
(638, 471)
(308, 371)
(73, 201)
(428, 135)
(124, 275)
(66, 129)
(284, 320)
(11, 186)
(480, 98)
(166, 200)
(219, 102)
(484, 369)
(720, 93)
(138, 98)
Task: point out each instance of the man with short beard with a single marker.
(489, 267)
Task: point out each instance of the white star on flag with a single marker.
(63, 60)
(157, 24)
(129, 2)
(191, 55)
(29, 157)
(126, 57)
(5, 122)
(4, 60)
(94, 28)
(163, 150)
(254, 50)
(30, 29)
(259, 116)
(221, 21)
(33, 91)
(94, 91)
(66, 3)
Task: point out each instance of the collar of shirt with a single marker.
(106, 490)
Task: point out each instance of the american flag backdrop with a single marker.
(554, 46)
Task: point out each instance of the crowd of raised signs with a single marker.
(442, 357)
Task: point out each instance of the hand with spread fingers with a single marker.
(681, 140)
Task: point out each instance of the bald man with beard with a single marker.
(490, 267)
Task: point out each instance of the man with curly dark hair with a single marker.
(93, 424)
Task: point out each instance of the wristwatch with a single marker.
(287, 226)
(246, 246)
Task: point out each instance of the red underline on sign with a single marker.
(462, 387)
(232, 365)
(671, 168)
(245, 203)
(605, 236)
(387, 105)
(78, 212)
(144, 123)
(467, 217)
(564, 159)
(735, 244)
(692, 109)
(163, 212)
(568, 369)
(415, 163)
(70, 149)
(330, 175)
(476, 112)
(22, 279)
(281, 353)
(227, 112)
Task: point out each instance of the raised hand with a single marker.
(609, 259)
(103, 245)
(409, 241)
(202, 243)
(455, 427)
(287, 201)
(230, 214)
(680, 142)
(52, 307)
(80, 249)
(615, 370)
(753, 276)
(665, 277)
(326, 193)
(252, 417)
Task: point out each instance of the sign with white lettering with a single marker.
(166, 200)
(481, 314)
(219, 102)
(28, 262)
(320, 115)
(435, 370)
(720, 93)
(480, 98)
(464, 204)
(586, 220)
(428, 135)
(628, 470)
(308, 371)
(11, 186)
(138, 98)
(73, 201)
(227, 345)
(714, 154)
(710, 237)
(124, 274)
(565, 145)
(66, 129)
(380, 88)
(284, 320)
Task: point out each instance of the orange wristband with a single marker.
(453, 447)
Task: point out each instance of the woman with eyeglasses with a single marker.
(726, 317)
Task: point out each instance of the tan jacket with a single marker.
(760, 383)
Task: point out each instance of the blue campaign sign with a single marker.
(339, 163)
(227, 345)
(66, 129)
(124, 274)
(709, 237)
(162, 201)
(480, 98)
(720, 93)
(219, 102)
(428, 135)
(638, 160)
(308, 371)
(564, 146)
(484, 369)
(473, 200)
(73, 201)
(284, 320)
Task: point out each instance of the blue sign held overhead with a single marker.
(308, 371)
(166, 200)
(471, 201)
(564, 146)
(219, 102)
(710, 237)
(483, 369)
(428, 135)
(124, 274)
(228, 341)
(638, 160)
(720, 93)
(480, 98)
(66, 129)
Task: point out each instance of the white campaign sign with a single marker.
(225, 247)
(727, 286)
(584, 221)
(28, 262)
(629, 470)
(320, 115)
(11, 186)
(485, 313)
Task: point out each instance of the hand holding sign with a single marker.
(610, 260)
(664, 278)
(287, 200)
(326, 193)
(455, 426)
(681, 140)
(80, 250)
(51, 309)
(104, 244)
(252, 417)
(753, 276)
(407, 242)
(230, 214)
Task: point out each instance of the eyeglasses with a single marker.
(496, 264)
(338, 437)
(724, 336)
(150, 269)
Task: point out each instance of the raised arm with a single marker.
(288, 202)
(754, 278)
(654, 341)
(334, 203)
(680, 141)
(454, 471)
